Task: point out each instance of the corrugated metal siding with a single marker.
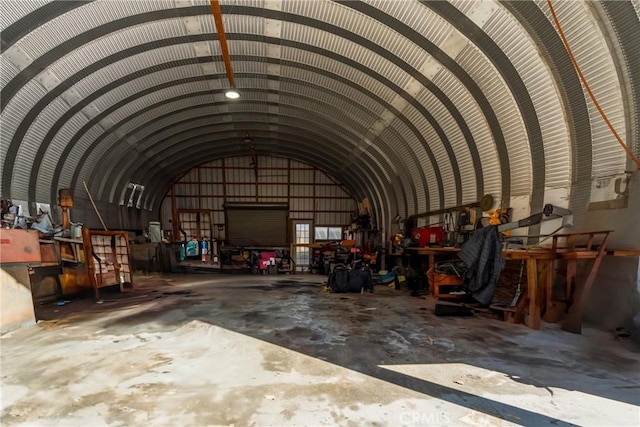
(323, 92)
(162, 110)
(591, 52)
(508, 113)
(437, 147)
(7, 71)
(385, 162)
(400, 155)
(106, 75)
(26, 152)
(455, 138)
(417, 17)
(50, 159)
(305, 183)
(99, 151)
(111, 160)
(479, 128)
(536, 76)
(401, 144)
(345, 48)
(625, 24)
(407, 172)
(74, 158)
(14, 10)
(16, 111)
(157, 97)
(79, 20)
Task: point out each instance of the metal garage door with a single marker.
(257, 224)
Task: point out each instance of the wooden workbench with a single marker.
(540, 272)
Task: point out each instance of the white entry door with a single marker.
(302, 235)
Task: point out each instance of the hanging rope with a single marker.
(586, 85)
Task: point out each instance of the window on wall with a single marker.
(328, 233)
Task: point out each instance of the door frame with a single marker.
(293, 245)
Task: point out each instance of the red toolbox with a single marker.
(425, 236)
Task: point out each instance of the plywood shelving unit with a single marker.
(108, 259)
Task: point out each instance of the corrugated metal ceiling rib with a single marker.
(76, 22)
(507, 112)
(536, 76)
(304, 152)
(329, 128)
(15, 10)
(591, 52)
(625, 26)
(323, 129)
(421, 93)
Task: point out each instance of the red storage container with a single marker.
(19, 246)
(425, 236)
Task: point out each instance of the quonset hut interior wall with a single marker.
(416, 105)
(310, 193)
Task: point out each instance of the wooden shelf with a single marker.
(109, 258)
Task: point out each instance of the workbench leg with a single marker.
(573, 322)
(572, 265)
(545, 281)
(534, 293)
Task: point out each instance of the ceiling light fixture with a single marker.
(232, 94)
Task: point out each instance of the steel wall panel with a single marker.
(14, 10)
(353, 75)
(455, 139)
(145, 82)
(536, 76)
(79, 20)
(418, 17)
(15, 112)
(236, 166)
(51, 157)
(397, 154)
(437, 148)
(103, 76)
(592, 55)
(479, 128)
(146, 117)
(7, 70)
(156, 97)
(625, 26)
(508, 113)
(403, 155)
(211, 189)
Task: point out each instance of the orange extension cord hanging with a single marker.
(586, 85)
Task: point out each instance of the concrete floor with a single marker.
(206, 350)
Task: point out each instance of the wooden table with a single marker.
(432, 252)
(569, 248)
(539, 279)
(539, 274)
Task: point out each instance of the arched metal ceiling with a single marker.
(416, 104)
